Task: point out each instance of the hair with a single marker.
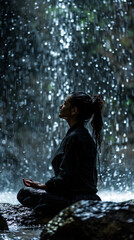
(89, 109)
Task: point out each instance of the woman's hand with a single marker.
(33, 184)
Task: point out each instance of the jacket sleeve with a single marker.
(62, 182)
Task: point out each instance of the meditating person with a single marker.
(74, 162)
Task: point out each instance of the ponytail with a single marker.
(89, 108)
(97, 123)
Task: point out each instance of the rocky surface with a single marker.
(84, 220)
(92, 220)
(21, 216)
(3, 223)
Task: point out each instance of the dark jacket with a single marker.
(74, 164)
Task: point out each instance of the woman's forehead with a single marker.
(67, 98)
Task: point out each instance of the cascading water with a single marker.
(49, 49)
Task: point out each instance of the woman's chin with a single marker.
(63, 117)
(60, 116)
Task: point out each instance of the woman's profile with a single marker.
(74, 162)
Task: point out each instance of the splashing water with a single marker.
(115, 196)
(50, 48)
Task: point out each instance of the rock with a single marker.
(22, 216)
(92, 220)
(3, 223)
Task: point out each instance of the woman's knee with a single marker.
(23, 194)
(98, 198)
(28, 197)
(20, 195)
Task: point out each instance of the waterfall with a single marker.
(49, 49)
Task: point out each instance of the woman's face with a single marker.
(65, 109)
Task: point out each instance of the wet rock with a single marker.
(3, 223)
(92, 220)
(22, 216)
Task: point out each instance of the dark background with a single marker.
(47, 50)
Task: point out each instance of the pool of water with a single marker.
(21, 234)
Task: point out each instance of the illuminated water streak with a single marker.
(50, 48)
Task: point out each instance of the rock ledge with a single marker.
(92, 220)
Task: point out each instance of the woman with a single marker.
(74, 162)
